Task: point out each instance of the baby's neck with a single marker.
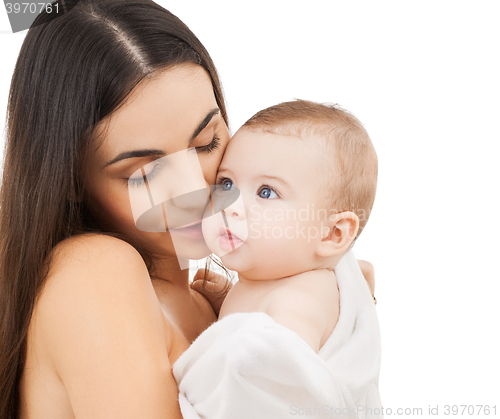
(252, 284)
(258, 282)
(254, 279)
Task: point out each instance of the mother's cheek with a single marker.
(115, 212)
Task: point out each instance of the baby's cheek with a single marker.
(275, 233)
(273, 236)
(293, 238)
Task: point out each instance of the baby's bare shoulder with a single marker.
(307, 304)
(312, 290)
(300, 310)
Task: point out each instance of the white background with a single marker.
(424, 79)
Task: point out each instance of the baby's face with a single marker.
(275, 224)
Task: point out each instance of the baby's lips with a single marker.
(227, 232)
(234, 236)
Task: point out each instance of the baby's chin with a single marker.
(234, 260)
(245, 268)
(252, 268)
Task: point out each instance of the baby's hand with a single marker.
(213, 287)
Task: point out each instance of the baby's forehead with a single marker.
(288, 139)
(263, 151)
(257, 142)
(289, 132)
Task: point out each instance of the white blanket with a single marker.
(247, 366)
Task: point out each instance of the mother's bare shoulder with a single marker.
(98, 322)
(91, 250)
(90, 262)
(93, 273)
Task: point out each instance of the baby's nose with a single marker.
(236, 209)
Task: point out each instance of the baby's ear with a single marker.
(338, 234)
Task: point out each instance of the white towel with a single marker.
(247, 366)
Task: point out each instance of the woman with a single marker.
(92, 323)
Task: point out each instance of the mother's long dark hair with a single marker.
(74, 69)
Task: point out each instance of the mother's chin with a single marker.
(188, 248)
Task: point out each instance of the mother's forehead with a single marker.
(168, 106)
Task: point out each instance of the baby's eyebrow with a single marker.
(222, 170)
(276, 178)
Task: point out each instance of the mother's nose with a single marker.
(183, 184)
(190, 198)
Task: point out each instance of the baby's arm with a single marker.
(300, 312)
(368, 273)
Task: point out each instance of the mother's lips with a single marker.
(192, 230)
(189, 225)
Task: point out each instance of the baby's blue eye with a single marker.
(267, 193)
(227, 185)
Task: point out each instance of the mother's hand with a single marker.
(214, 287)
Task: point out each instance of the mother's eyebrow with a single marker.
(134, 154)
(148, 153)
(204, 123)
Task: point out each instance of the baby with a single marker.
(294, 336)
(296, 184)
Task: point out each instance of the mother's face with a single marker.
(170, 113)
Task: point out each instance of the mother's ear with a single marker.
(341, 230)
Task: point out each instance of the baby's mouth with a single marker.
(228, 241)
(225, 232)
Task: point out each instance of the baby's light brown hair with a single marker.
(350, 155)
